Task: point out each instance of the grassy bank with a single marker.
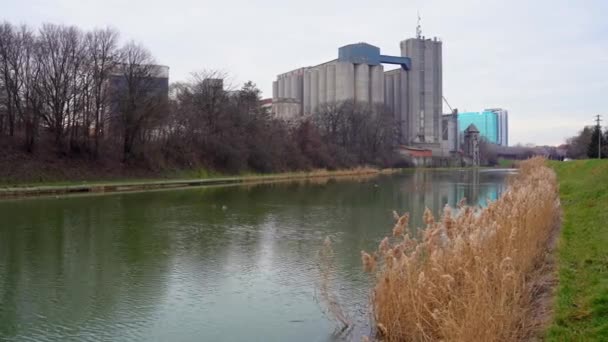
(581, 309)
(23, 190)
(478, 275)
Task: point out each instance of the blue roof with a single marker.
(363, 53)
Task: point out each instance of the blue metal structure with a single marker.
(363, 53)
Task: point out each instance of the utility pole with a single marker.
(599, 136)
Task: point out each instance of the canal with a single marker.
(235, 263)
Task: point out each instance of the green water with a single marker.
(208, 264)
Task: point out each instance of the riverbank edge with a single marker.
(581, 295)
(143, 185)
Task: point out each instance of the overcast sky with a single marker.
(546, 61)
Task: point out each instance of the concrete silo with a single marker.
(345, 81)
(377, 85)
(314, 90)
(275, 90)
(294, 86)
(331, 82)
(306, 91)
(281, 81)
(424, 89)
(362, 83)
(322, 70)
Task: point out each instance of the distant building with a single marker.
(413, 92)
(156, 83)
(213, 83)
(154, 88)
(266, 105)
(485, 122)
(503, 125)
(450, 133)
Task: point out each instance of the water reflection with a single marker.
(231, 264)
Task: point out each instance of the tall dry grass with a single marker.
(326, 294)
(470, 276)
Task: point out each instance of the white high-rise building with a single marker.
(503, 125)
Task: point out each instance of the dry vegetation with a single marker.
(477, 275)
(326, 294)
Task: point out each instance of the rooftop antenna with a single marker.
(419, 27)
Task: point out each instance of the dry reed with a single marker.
(325, 293)
(470, 276)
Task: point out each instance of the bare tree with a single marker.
(60, 57)
(365, 132)
(101, 47)
(9, 70)
(29, 104)
(19, 71)
(139, 93)
(79, 88)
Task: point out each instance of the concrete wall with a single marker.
(286, 109)
(450, 135)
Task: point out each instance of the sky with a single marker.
(545, 61)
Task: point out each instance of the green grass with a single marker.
(581, 307)
(181, 179)
(507, 163)
(166, 176)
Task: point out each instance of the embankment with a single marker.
(126, 186)
(581, 308)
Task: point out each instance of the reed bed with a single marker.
(473, 274)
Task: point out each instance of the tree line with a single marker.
(82, 94)
(585, 143)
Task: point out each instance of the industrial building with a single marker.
(491, 123)
(150, 81)
(413, 92)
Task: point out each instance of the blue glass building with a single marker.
(486, 122)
